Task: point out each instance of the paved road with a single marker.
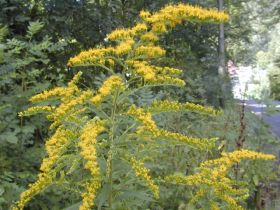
(273, 120)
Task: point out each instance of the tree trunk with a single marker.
(222, 59)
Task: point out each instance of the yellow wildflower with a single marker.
(148, 124)
(87, 144)
(172, 15)
(143, 172)
(124, 47)
(92, 56)
(54, 146)
(167, 71)
(144, 117)
(144, 14)
(159, 28)
(174, 106)
(139, 27)
(149, 37)
(58, 91)
(167, 80)
(112, 83)
(212, 174)
(36, 109)
(68, 106)
(119, 34)
(149, 51)
(89, 195)
(43, 181)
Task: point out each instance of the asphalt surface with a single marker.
(272, 120)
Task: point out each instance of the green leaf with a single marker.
(9, 137)
(3, 32)
(34, 28)
(2, 190)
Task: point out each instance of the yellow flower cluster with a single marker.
(110, 85)
(36, 109)
(167, 71)
(174, 106)
(59, 91)
(54, 147)
(87, 144)
(68, 104)
(71, 98)
(126, 33)
(149, 125)
(138, 42)
(149, 37)
(119, 34)
(213, 176)
(155, 75)
(200, 143)
(56, 92)
(138, 28)
(92, 56)
(144, 117)
(43, 181)
(149, 51)
(172, 15)
(124, 47)
(143, 172)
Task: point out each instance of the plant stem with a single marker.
(110, 156)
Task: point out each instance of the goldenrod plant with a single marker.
(95, 132)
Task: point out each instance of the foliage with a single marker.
(24, 63)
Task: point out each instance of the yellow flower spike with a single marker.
(174, 106)
(58, 91)
(166, 80)
(124, 47)
(144, 14)
(140, 27)
(149, 37)
(87, 144)
(69, 105)
(200, 193)
(75, 80)
(168, 71)
(36, 110)
(141, 171)
(43, 181)
(91, 56)
(213, 175)
(148, 124)
(119, 34)
(159, 28)
(172, 15)
(54, 146)
(214, 206)
(149, 51)
(112, 83)
(144, 117)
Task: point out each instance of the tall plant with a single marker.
(101, 137)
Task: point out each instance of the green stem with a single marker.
(110, 156)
